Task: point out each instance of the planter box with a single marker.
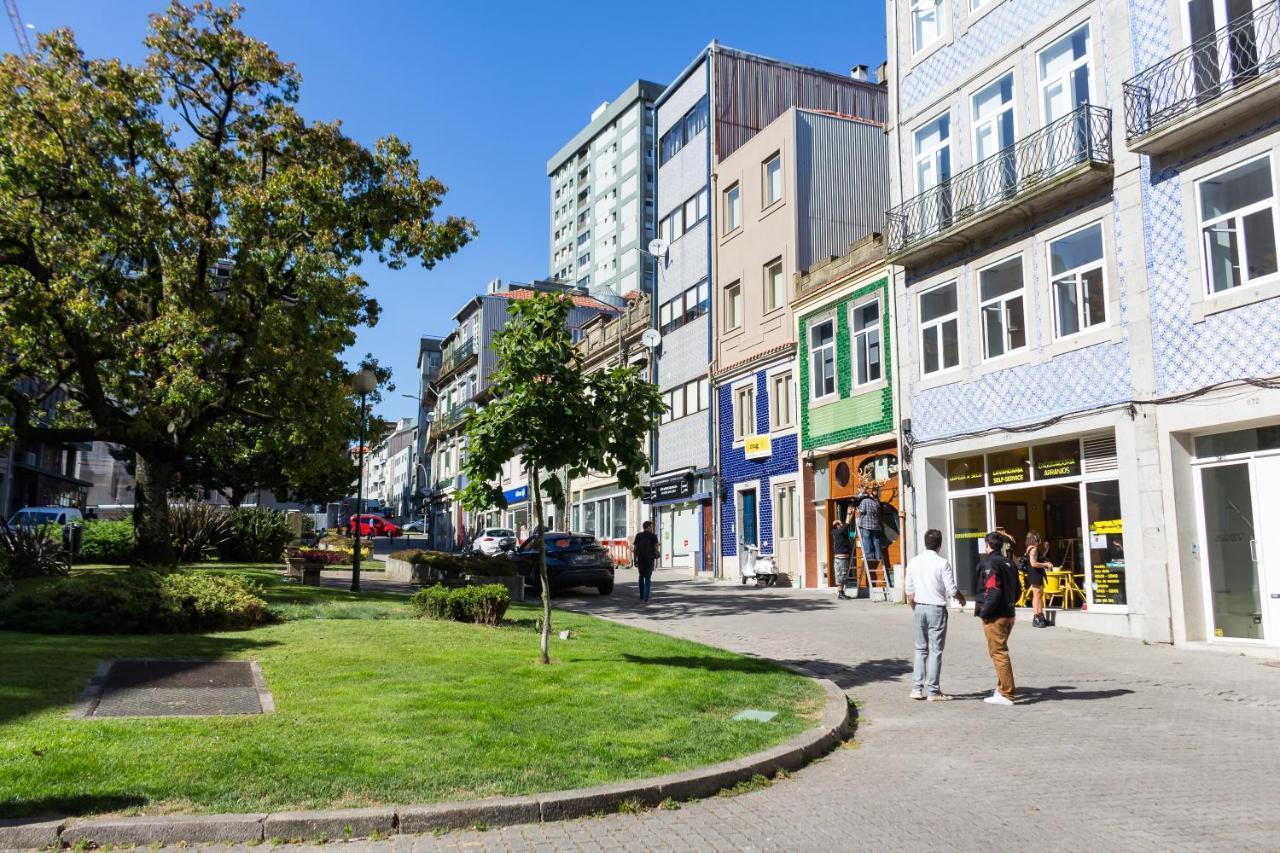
(420, 573)
(513, 583)
(300, 570)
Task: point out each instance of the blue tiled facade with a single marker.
(735, 468)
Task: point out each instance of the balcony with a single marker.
(1062, 162)
(1226, 77)
(453, 417)
(457, 357)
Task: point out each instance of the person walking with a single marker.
(842, 550)
(870, 532)
(645, 549)
(997, 590)
(1035, 566)
(930, 584)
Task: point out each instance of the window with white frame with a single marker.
(1064, 74)
(1001, 307)
(1238, 220)
(939, 329)
(1078, 279)
(775, 291)
(772, 179)
(781, 401)
(866, 343)
(744, 411)
(732, 208)
(733, 306)
(928, 20)
(687, 399)
(784, 511)
(822, 358)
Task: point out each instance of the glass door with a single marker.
(1266, 478)
(993, 134)
(1219, 62)
(1230, 551)
(968, 527)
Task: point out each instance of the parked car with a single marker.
(373, 525)
(573, 559)
(37, 516)
(489, 539)
(413, 527)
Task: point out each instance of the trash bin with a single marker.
(72, 536)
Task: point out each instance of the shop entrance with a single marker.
(1240, 547)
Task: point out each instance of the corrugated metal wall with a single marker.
(751, 92)
(842, 170)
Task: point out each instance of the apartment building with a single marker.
(798, 192)
(715, 106)
(602, 198)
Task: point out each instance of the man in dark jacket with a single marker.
(646, 551)
(998, 589)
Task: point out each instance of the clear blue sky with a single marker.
(485, 92)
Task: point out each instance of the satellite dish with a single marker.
(651, 338)
(658, 247)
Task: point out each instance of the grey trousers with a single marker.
(842, 570)
(931, 637)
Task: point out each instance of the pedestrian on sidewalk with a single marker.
(930, 584)
(1034, 565)
(645, 549)
(841, 550)
(870, 531)
(997, 590)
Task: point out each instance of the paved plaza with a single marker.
(1114, 744)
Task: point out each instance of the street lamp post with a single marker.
(362, 383)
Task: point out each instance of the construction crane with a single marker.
(19, 29)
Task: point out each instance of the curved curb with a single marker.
(503, 811)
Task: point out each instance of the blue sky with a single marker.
(485, 92)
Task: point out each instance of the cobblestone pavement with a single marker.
(1114, 745)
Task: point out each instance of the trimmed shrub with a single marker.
(106, 542)
(255, 535)
(197, 530)
(33, 552)
(483, 605)
(139, 601)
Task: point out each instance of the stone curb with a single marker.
(339, 824)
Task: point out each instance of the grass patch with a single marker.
(746, 786)
(374, 707)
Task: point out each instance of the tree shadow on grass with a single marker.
(674, 600)
(20, 811)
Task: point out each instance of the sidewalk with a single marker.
(1114, 745)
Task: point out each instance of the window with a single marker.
(927, 21)
(939, 329)
(772, 179)
(781, 401)
(681, 220)
(684, 308)
(933, 169)
(744, 412)
(866, 342)
(993, 137)
(1064, 74)
(775, 288)
(733, 306)
(683, 131)
(822, 358)
(1238, 217)
(1000, 305)
(1079, 282)
(732, 208)
(784, 511)
(687, 399)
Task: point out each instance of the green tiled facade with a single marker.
(847, 418)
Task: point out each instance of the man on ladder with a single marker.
(871, 539)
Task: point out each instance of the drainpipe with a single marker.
(714, 403)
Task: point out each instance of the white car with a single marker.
(38, 516)
(487, 541)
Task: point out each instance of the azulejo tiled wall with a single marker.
(849, 417)
(735, 467)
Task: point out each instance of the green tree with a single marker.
(179, 247)
(557, 418)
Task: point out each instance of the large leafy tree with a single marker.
(557, 418)
(179, 247)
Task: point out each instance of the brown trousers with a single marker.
(997, 631)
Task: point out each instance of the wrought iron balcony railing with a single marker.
(1245, 50)
(1029, 165)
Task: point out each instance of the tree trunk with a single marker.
(545, 643)
(151, 512)
(237, 496)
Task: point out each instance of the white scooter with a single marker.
(758, 567)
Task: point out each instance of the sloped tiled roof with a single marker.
(580, 300)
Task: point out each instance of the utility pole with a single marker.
(19, 29)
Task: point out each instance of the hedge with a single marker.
(106, 542)
(483, 605)
(457, 564)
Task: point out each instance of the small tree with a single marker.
(547, 410)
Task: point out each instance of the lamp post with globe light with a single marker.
(363, 383)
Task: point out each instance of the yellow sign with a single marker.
(1110, 525)
(758, 446)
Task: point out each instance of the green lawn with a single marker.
(377, 707)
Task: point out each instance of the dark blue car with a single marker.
(573, 560)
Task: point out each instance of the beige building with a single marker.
(799, 191)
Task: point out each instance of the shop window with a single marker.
(1060, 459)
(1240, 441)
(1238, 226)
(1000, 293)
(967, 473)
(1106, 542)
(822, 358)
(1010, 466)
(866, 343)
(619, 513)
(939, 329)
(1079, 281)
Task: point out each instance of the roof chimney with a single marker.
(882, 72)
(859, 72)
(599, 111)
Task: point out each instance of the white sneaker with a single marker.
(916, 694)
(939, 697)
(997, 699)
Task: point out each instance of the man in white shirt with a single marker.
(931, 582)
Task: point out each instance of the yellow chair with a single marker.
(1053, 586)
(1025, 598)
